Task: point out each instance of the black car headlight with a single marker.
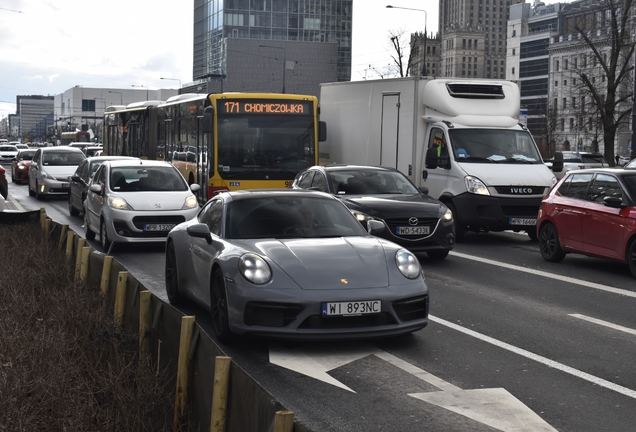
(362, 217)
(448, 215)
(254, 269)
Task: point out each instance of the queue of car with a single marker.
(260, 260)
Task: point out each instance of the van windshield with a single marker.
(494, 146)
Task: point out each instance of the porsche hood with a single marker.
(329, 263)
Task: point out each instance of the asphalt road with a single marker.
(514, 343)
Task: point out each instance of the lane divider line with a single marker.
(604, 323)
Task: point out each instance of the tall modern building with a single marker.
(286, 46)
(473, 36)
(531, 30)
(36, 116)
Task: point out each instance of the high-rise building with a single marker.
(473, 37)
(531, 30)
(36, 115)
(286, 46)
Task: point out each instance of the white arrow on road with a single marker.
(494, 407)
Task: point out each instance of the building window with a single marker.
(556, 65)
(565, 103)
(571, 124)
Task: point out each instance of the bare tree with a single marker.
(399, 45)
(607, 84)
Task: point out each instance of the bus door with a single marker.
(203, 162)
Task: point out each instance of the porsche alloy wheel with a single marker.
(549, 244)
(218, 307)
(172, 276)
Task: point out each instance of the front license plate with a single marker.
(522, 221)
(351, 308)
(64, 185)
(416, 230)
(158, 227)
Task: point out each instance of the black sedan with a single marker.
(412, 218)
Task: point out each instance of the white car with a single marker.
(8, 152)
(51, 170)
(131, 201)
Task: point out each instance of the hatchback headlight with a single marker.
(118, 203)
(190, 202)
(448, 215)
(408, 265)
(254, 269)
(475, 186)
(46, 175)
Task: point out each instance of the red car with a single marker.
(4, 187)
(591, 212)
(20, 165)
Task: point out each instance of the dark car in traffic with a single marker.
(78, 185)
(411, 218)
(591, 212)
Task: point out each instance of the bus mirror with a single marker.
(208, 120)
(322, 131)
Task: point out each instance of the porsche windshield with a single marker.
(290, 217)
(494, 146)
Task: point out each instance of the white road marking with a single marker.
(540, 359)
(547, 275)
(494, 407)
(605, 323)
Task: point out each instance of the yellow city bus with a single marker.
(224, 141)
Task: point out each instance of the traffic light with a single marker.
(68, 124)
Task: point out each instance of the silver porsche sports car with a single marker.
(293, 264)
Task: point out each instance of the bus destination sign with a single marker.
(262, 106)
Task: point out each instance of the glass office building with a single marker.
(286, 26)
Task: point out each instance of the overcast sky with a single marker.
(47, 47)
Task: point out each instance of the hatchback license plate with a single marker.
(351, 308)
(158, 227)
(522, 221)
(415, 230)
(64, 185)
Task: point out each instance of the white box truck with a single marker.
(459, 138)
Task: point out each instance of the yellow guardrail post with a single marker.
(181, 400)
(70, 236)
(62, 236)
(284, 421)
(105, 282)
(219, 393)
(120, 298)
(86, 252)
(78, 257)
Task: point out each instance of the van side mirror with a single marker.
(557, 163)
(431, 158)
(208, 120)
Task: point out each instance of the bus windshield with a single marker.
(494, 146)
(258, 147)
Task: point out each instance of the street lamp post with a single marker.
(425, 34)
(173, 79)
(141, 85)
(121, 97)
(284, 61)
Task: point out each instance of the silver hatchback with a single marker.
(131, 201)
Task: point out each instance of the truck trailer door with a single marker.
(390, 129)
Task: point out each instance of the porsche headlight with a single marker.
(408, 265)
(190, 202)
(448, 215)
(118, 203)
(475, 186)
(254, 269)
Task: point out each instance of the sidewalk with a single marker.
(12, 211)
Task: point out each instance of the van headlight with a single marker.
(254, 269)
(408, 265)
(475, 186)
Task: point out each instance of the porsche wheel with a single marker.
(218, 307)
(172, 276)
(549, 244)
